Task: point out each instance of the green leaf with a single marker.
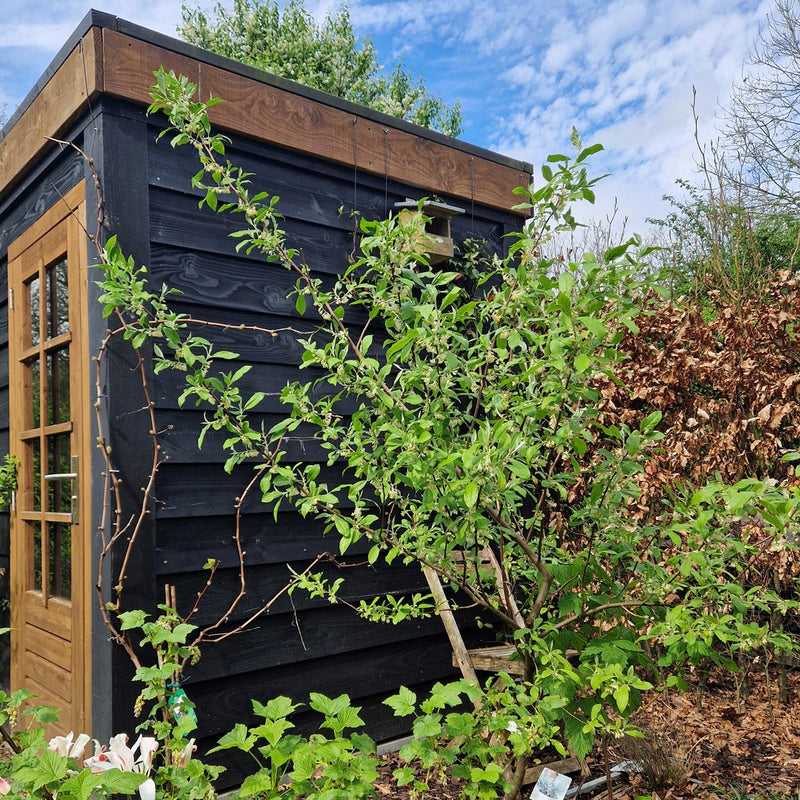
(300, 304)
(239, 737)
(588, 151)
(582, 363)
(404, 775)
(491, 773)
(118, 782)
(621, 697)
(445, 694)
(427, 726)
(82, 785)
(404, 702)
(471, 494)
(580, 740)
(50, 768)
(594, 325)
(260, 783)
(130, 620)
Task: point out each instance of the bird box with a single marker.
(433, 222)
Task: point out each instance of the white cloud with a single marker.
(620, 70)
(29, 34)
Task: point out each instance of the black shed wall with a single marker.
(302, 645)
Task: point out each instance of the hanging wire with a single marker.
(385, 172)
(355, 163)
(472, 195)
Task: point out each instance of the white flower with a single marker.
(512, 727)
(120, 756)
(64, 746)
(147, 790)
(186, 753)
(5, 787)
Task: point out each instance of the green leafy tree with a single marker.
(476, 450)
(327, 56)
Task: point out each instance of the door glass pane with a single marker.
(36, 476)
(33, 298)
(36, 385)
(59, 491)
(57, 305)
(58, 386)
(36, 534)
(60, 559)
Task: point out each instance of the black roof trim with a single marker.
(101, 19)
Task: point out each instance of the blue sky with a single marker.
(621, 71)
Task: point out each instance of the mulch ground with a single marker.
(749, 746)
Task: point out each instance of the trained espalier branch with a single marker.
(476, 393)
(141, 316)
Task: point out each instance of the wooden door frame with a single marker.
(60, 229)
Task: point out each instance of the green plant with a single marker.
(8, 480)
(327, 56)
(320, 767)
(170, 716)
(477, 743)
(57, 768)
(476, 429)
(157, 765)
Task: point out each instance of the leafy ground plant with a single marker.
(320, 767)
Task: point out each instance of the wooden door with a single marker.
(49, 406)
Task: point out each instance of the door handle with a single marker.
(72, 477)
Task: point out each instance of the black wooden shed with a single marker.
(320, 155)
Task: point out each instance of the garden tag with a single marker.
(179, 705)
(551, 785)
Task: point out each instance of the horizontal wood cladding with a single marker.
(379, 669)
(60, 101)
(275, 115)
(184, 546)
(205, 489)
(30, 200)
(309, 635)
(361, 582)
(179, 438)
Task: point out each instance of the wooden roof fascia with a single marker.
(261, 76)
(111, 56)
(271, 114)
(69, 91)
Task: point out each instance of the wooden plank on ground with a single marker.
(495, 659)
(565, 766)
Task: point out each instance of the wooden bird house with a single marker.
(432, 218)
